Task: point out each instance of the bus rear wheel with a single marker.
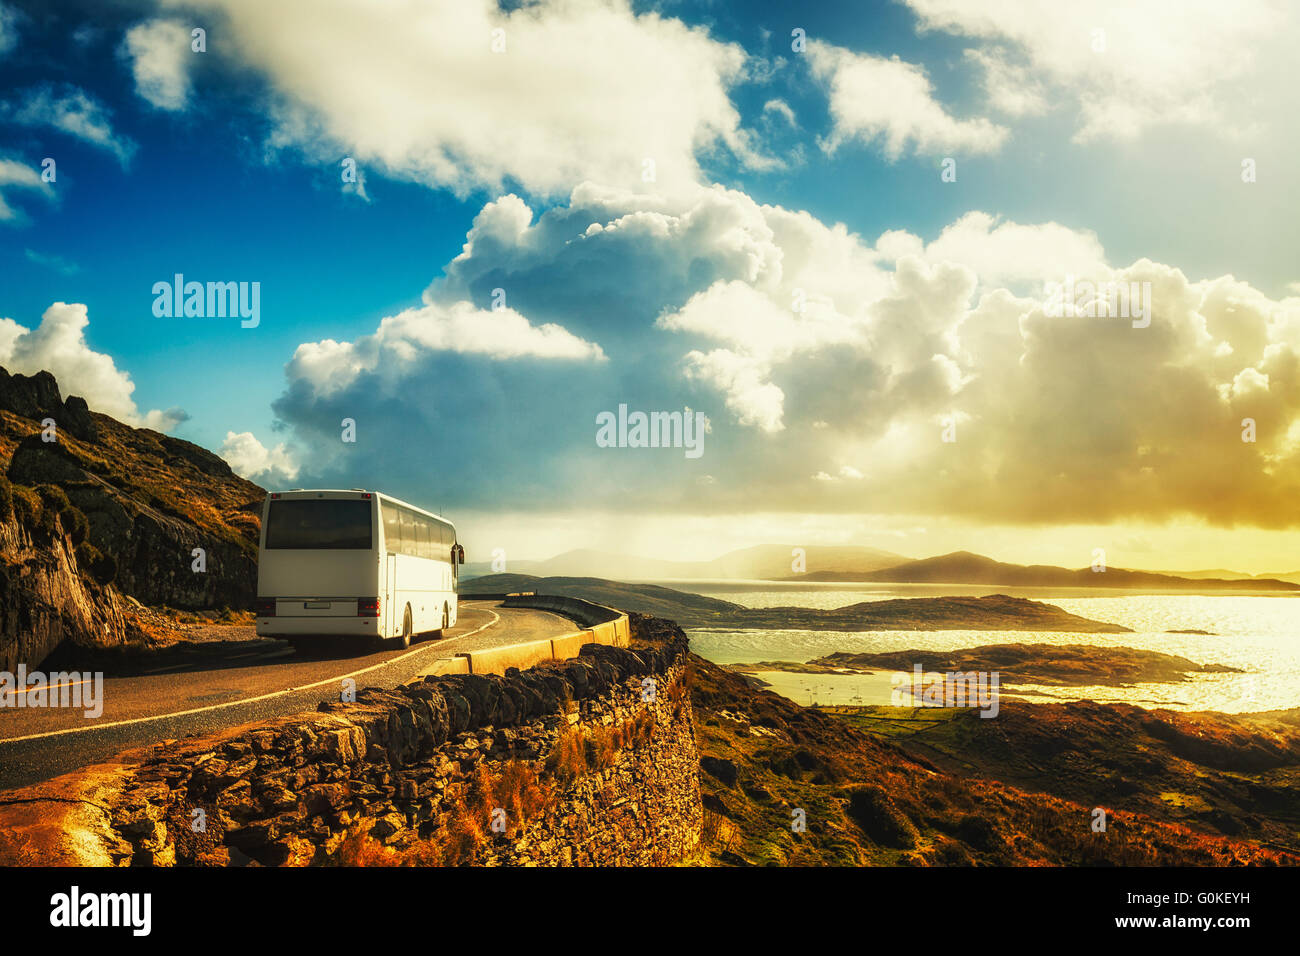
(408, 628)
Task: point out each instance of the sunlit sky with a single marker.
(737, 208)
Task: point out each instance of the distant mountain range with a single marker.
(963, 567)
(763, 562)
(871, 565)
(1291, 576)
(996, 612)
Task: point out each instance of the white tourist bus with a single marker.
(354, 562)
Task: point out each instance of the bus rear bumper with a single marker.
(323, 626)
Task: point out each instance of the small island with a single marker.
(1062, 665)
(995, 612)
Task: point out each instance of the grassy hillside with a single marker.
(642, 598)
(868, 798)
(1234, 775)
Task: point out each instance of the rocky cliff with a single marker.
(45, 599)
(92, 509)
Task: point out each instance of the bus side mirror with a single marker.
(460, 555)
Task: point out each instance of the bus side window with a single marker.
(410, 545)
(392, 530)
(426, 547)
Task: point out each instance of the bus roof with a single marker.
(350, 492)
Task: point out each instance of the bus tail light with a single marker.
(368, 607)
(265, 607)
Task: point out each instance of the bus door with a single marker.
(390, 593)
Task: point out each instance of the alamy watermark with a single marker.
(1109, 299)
(683, 429)
(56, 689)
(951, 689)
(211, 300)
(75, 909)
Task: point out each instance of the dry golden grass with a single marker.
(361, 849)
(523, 790)
(568, 759)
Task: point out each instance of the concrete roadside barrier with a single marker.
(603, 625)
(445, 665)
(562, 648)
(497, 660)
(609, 625)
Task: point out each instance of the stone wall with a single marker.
(569, 759)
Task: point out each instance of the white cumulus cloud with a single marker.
(1123, 67)
(580, 89)
(402, 340)
(58, 345)
(159, 53)
(250, 459)
(15, 173)
(887, 100)
(8, 28)
(76, 113)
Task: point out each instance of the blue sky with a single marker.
(1119, 158)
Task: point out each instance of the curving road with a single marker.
(242, 678)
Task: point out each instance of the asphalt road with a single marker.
(239, 679)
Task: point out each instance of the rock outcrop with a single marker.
(151, 542)
(37, 397)
(46, 600)
(94, 509)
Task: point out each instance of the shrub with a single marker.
(74, 524)
(568, 760)
(512, 786)
(47, 520)
(102, 567)
(873, 810)
(26, 504)
(53, 497)
(54, 501)
(361, 849)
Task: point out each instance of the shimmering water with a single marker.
(1258, 633)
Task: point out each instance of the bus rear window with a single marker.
(319, 523)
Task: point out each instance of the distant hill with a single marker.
(642, 598)
(995, 612)
(1292, 577)
(773, 562)
(1222, 574)
(963, 567)
(762, 562)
